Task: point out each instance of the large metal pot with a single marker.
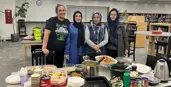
(92, 68)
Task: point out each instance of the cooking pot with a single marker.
(117, 70)
(92, 67)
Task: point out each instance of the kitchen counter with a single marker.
(106, 72)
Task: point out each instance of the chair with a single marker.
(166, 54)
(91, 55)
(34, 49)
(22, 28)
(161, 44)
(131, 50)
(131, 39)
(41, 59)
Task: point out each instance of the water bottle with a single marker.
(126, 79)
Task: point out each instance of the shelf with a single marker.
(160, 24)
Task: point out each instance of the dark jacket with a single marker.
(122, 41)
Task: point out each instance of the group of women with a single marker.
(69, 40)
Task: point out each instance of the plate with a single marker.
(141, 68)
(115, 61)
(13, 79)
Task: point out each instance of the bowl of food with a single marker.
(107, 60)
(76, 74)
(116, 82)
(80, 67)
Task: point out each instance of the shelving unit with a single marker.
(138, 21)
(165, 27)
(153, 17)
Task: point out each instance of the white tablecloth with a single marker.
(105, 72)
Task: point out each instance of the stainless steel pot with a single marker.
(92, 68)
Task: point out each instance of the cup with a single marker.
(35, 80)
(23, 79)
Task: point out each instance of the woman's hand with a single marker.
(98, 51)
(96, 47)
(126, 53)
(66, 56)
(46, 52)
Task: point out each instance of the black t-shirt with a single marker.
(59, 32)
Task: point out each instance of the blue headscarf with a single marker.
(113, 25)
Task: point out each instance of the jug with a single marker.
(161, 70)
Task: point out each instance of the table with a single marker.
(28, 43)
(149, 33)
(105, 72)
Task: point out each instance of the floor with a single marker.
(11, 59)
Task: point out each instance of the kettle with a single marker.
(161, 70)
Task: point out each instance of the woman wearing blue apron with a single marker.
(75, 41)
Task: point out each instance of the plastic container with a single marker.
(63, 84)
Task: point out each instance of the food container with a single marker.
(80, 67)
(77, 74)
(58, 78)
(75, 81)
(133, 83)
(45, 81)
(35, 80)
(92, 68)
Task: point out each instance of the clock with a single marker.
(39, 2)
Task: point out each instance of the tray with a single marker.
(97, 81)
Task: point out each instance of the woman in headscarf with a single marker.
(118, 40)
(96, 34)
(75, 41)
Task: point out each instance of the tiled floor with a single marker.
(11, 59)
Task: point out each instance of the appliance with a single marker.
(161, 70)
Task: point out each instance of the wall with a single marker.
(46, 10)
(6, 29)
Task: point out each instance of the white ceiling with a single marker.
(140, 1)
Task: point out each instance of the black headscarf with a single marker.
(113, 25)
(80, 27)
